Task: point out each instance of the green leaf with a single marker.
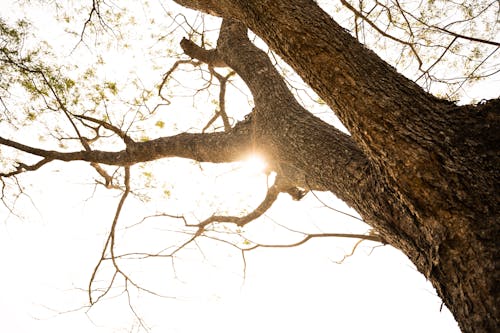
(111, 86)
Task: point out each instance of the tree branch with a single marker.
(206, 147)
(21, 167)
(209, 57)
(281, 185)
(364, 91)
(107, 126)
(388, 115)
(167, 75)
(358, 13)
(308, 237)
(110, 243)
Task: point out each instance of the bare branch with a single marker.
(350, 254)
(370, 237)
(107, 126)
(271, 196)
(169, 73)
(382, 32)
(426, 72)
(203, 147)
(454, 34)
(110, 241)
(21, 167)
(222, 101)
(95, 10)
(334, 209)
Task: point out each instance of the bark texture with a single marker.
(422, 171)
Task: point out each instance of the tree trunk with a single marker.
(422, 171)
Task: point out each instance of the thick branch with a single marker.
(209, 147)
(420, 170)
(303, 149)
(283, 131)
(210, 57)
(385, 112)
(405, 133)
(254, 67)
(286, 133)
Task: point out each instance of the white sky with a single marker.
(48, 259)
(48, 255)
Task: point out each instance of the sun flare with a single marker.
(255, 163)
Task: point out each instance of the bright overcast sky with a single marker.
(48, 255)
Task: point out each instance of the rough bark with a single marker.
(421, 171)
(428, 180)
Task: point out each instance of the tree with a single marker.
(420, 170)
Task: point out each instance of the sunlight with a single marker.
(127, 76)
(255, 164)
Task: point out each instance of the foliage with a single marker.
(117, 76)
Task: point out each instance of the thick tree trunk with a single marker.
(422, 171)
